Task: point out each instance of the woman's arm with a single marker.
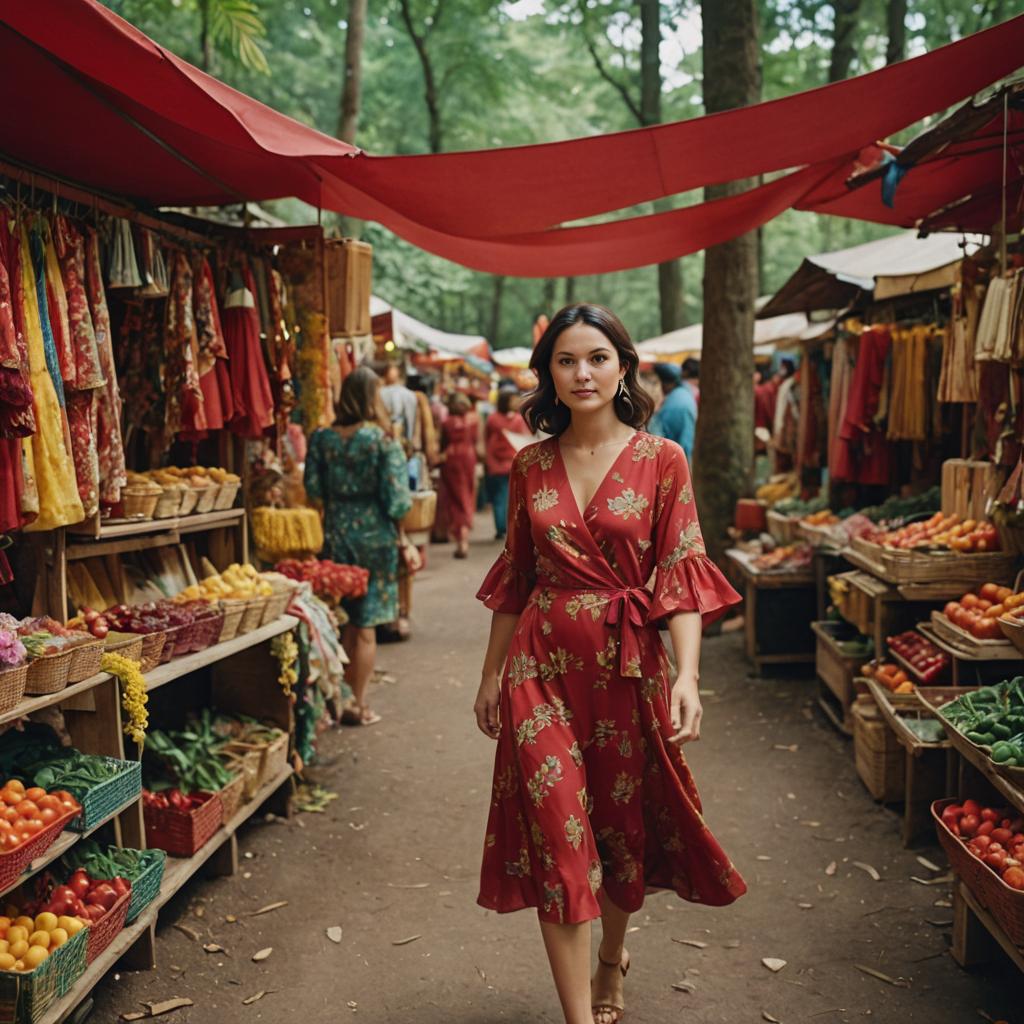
(685, 631)
(503, 625)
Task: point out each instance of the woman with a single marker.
(592, 802)
(499, 453)
(458, 469)
(357, 473)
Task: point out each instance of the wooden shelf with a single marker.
(63, 843)
(176, 873)
(136, 528)
(30, 704)
(772, 577)
(178, 667)
(989, 923)
(928, 630)
(908, 739)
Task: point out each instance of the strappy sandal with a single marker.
(616, 1009)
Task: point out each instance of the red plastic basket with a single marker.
(14, 862)
(103, 931)
(182, 833)
(1006, 905)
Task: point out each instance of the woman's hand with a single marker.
(486, 706)
(686, 710)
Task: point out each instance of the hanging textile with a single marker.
(123, 269)
(109, 443)
(958, 381)
(908, 397)
(154, 268)
(140, 343)
(211, 361)
(250, 386)
(183, 397)
(862, 455)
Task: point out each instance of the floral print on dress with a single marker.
(607, 801)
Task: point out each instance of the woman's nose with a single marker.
(582, 371)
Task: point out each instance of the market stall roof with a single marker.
(768, 334)
(408, 332)
(516, 357)
(898, 265)
(85, 88)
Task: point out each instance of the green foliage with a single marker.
(507, 79)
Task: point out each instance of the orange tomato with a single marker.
(970, 601)
(1002, 593)
(50, 801)
(11, 840)
(5, 826)
(34, 793)
(10, 796)
(17, 785)
(47, 815)
(28, 809)
(9, 814)
(990, 591)
(34, 826)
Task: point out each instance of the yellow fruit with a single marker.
(46, 922)
(39, 938)
(19, 966)
(18, 949)
(35, 956)
(72, 925)
(58, 937)
(16, 933)
(6, 962)
(26, 922)
(5, 923)
(4, 945)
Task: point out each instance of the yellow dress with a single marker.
(47, 453)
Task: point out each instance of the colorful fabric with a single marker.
(362, 483)
(587, 790)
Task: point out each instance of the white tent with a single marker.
(515, 358)
(408, 332)
(768, 335)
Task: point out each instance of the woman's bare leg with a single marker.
(568, 948)
(361, 648)
(608, 981)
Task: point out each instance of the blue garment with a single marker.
(496, 485)
(677, 418)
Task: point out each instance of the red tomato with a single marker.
(972, 807)
(980, 844)
(950, 610)
(1001, 835)
(988, 814)
(11, 840)
(47, 815)
(986, 828)
(79, 883)
(969, 822)
(951, 814)
(28, 809)
(34, 826)
(1014, 877)
(34, 793)
(996, 859)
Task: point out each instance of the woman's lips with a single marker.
(585, 392)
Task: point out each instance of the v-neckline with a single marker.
(582, 511)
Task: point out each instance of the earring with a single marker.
(621, 393)
(556, 399)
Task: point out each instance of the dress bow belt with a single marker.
(628, 609)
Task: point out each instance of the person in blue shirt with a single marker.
(676, 417)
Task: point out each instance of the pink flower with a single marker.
(12, 651)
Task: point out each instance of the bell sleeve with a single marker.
(313, 472)
(395, 496)
(687, 580)
(507, 587)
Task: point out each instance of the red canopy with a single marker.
(93, 100)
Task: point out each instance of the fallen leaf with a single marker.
(356, 828)
(213, 947)
(167, 1005)
(351, 1004)
(938, 924)
(792, 747)
(262, 954)
(942, 903)
(765, 1015)
(684, 986)
(811, 824)
(898, 982)
(269, 907)
(482, 973)
(334, 933)
(200, 911)
(762, 856)
(415, 885)
(134, 1015)
(230, 918)
(926, 863)
(696, 943)
(805, 906)
(259, 995)
(635, 928)
(773, 964)
(731, 944)
(831, 869)
(405, 942)
(188, 932)
(941, 880)
(867, 869)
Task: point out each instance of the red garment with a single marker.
(587, 789)
(10, 484)
(458, 471)
(252, 402)
(863, 454)
(498, 450)
(764, 403)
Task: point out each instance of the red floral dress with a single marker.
(587, 791)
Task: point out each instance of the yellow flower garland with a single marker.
(133, 693)
(286, 651)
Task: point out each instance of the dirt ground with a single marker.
(396, 856)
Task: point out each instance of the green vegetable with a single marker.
(1001, 752)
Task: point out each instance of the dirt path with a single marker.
(397, 854)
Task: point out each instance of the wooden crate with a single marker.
(836, 669)
(349, 280)
(878, 756)
(782, 528)
(967, 487)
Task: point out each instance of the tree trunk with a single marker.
(671, 296)
(570, 290)
(430, 95)
(351, 87)
(549, 297)
(205, 42)
(843, 38)
(724, 453)
(896, 17)
(495, 332)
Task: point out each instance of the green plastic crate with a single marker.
(147, 885)
(25, 998)
(100, 802)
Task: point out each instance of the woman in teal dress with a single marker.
(358, 475)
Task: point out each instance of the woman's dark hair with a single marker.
(539, 408)
(459, 403)
(360, 398)
(505, 400)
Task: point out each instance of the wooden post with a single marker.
(972, 944)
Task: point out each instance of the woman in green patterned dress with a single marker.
(359, 477)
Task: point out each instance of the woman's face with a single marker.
(585, 368)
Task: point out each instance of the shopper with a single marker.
(359, 477)
(502, 426)
(592, 801)
(459, 433)
(676, 418)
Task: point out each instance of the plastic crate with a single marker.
(14, 862)
(182, 833)
(147, 885)
(103, 932)
(100, 802)
(25, 998)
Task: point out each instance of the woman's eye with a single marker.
(600, 359)
(565, 362)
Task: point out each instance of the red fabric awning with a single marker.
(91, 99)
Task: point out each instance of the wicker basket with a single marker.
(168, 505)
(12, 686)
(139, 500)
(147, 885)
(245, 760)
(207, 497)
(189, 500)
(206, 631)
(878, 756)
(25, 998)
(226, 495)
(103, 932)
(85, 661)
(231, 797)
(275, 758)
(128, 645)
(422, 513)
(233, 612)
(48, 673)
(1013, 630)
(182, 833)
(950, 568)
(781, 527)
(276, 606)
(253, 617)
(152, 649)
(103, 801)
(13, 862)
(1006, 905)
